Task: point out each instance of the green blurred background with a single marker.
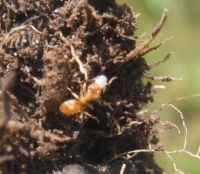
(183, 25)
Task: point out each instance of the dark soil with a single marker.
(39, 43)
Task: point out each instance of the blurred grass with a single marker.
(183, 26)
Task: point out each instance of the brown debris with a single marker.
(141, 49)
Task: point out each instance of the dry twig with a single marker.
(140, 50)
(122, 169)
(158, 62)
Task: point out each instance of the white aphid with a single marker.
(101, 81)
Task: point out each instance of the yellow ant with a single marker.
(94, 90)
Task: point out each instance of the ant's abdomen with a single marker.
(70, 107)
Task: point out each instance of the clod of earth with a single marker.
(53, 51)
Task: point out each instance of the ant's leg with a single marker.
(90, 116)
